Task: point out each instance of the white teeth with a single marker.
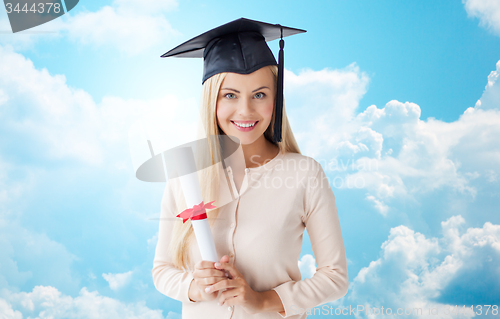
(245, 125)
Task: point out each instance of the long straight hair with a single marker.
(182, 235)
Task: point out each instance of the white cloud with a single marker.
(60, 122)
(307, 266)
(11, 190)
(173, 315)
(322, 101)
(491, 95)
(152, 242)
(390, 152)
(25, 39)
(44, 123)
(48, 302)
(28, 258)
(117, 281)
(7, 311)
(131, 26)
(488, 12)
(424, 155)
(3, 98)
(379, 205)
(415, 271)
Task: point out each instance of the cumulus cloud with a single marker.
(22, 249)
(48, 302)
(117, 281)
(379, 205)
(422, 156)
(152, 242)
(391, 152)
(26, 39)
(130, 26)
(60, 122)
(321, 102)
(45, 123)
(7, 311)
(488, 12)
(11, 190)
(491, 95)
(413, 271)
(307, 266)
(173, 315)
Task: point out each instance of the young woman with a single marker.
(278, 194)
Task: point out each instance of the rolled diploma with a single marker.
(192, 193)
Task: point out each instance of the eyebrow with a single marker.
(230, 89)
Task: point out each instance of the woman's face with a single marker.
(246, 99)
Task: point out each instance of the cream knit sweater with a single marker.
(261, 231)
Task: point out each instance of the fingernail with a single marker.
(207, 290)
(217, 264)
(219, 304)
(227, 275)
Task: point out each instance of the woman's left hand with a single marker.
(238, 292)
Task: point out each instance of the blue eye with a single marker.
(230, 95)
(259, 95)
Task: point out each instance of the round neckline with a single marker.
(268, 165)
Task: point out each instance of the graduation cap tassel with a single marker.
(279, 93)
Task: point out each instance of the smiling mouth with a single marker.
(244, 125)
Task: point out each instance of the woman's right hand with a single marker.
(205, 274)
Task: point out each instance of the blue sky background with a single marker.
(410, 87)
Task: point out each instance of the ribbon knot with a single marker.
(196, 213)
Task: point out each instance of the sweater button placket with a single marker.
(231, 240)
(232, 226)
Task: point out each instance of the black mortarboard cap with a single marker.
(240, 47)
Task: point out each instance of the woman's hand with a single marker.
(238, 291)
(206, 275)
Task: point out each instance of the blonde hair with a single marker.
(182, 235)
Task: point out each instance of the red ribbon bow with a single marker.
(196, 213)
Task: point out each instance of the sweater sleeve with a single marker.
(330, 282)
(168, 279)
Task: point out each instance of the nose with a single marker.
(245, 106)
